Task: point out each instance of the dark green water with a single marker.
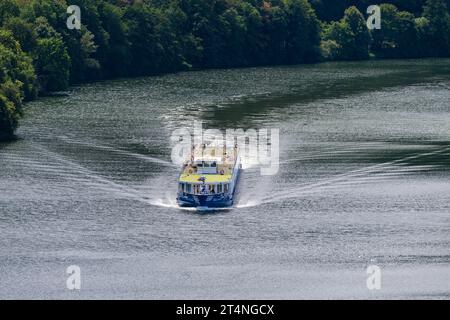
(364, 179)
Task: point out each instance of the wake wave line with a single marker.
(344, 178)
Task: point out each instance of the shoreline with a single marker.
(65, 93)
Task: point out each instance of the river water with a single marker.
(363, 180)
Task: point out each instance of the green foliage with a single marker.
(8, 9)
(52, 63)
(17, 81)
(398, 36)
(359, 46)
(117, 49)
(23, 32)
(436, 33)
(146, 50)
(348, 39)
(330, 49)
(333, 10)
(122, 38)
(8, 118)
(129, 38)
(330, 10)
(16, 65)
(303, 32)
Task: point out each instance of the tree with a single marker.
(147, 37)
(397, 37)
(355, 20)
(8, 116)
(255, 47)
(22, 32)
(329, 10)
(17, 65)
(436, 33)
(274, 37)
(330, 49)
(146, 51)
(205, 20)
(303, 32)
(92, 35)
(17, 80)
(118, 49)
(52, 64)
(234, 38)
(338, 41)
(8, 9)
(348, 39)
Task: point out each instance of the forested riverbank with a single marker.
(120, 38)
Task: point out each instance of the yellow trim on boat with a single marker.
(209, 178)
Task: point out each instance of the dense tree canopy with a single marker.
(120, 38)
(398, 36)
(17, 80)
(347, 39)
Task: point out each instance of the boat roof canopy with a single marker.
(208, 178)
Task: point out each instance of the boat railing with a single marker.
(203, 193)
(205, 189)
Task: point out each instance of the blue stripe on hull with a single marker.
(210, 201)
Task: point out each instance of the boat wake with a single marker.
(118, 151)
(363, 175)
(93, 178)
(253, 189)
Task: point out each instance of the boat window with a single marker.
(219, 188)
(188, 187)
(226, 187)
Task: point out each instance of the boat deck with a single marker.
(209, 178)
(225, 160)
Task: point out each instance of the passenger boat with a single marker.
(208, 179)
